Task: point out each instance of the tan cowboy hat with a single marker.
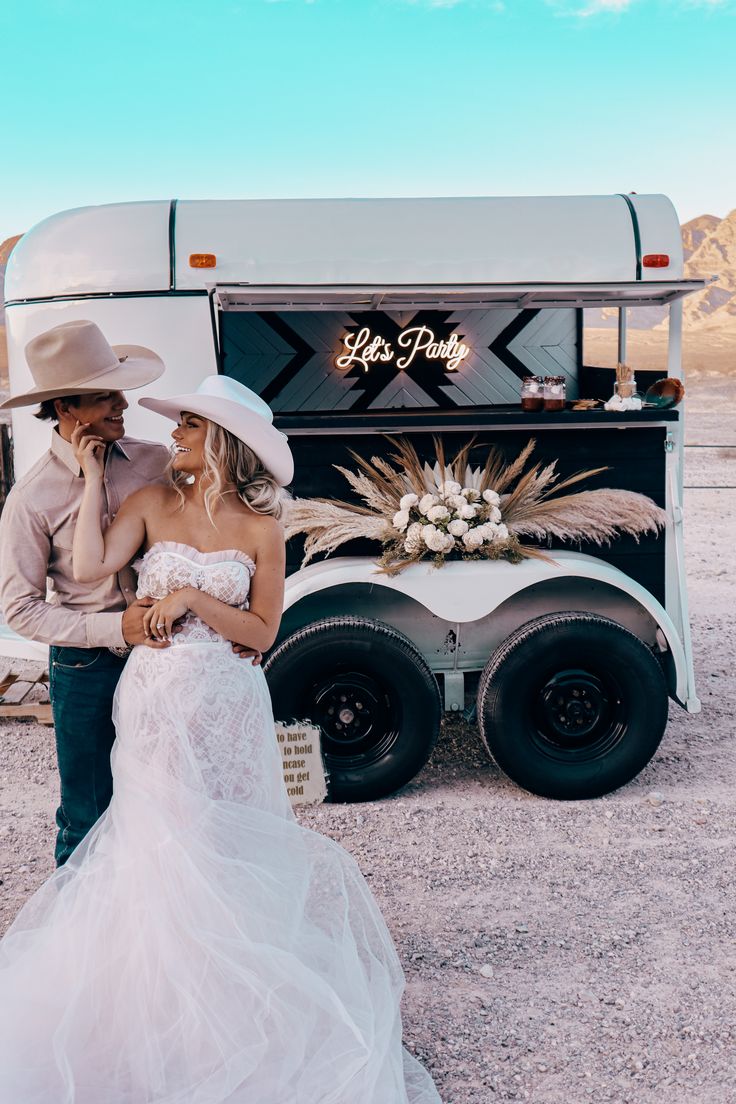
(242, 412)
(75, 359)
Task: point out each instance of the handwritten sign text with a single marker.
(365, 348)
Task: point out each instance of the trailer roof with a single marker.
(454, 296)
(478, 241)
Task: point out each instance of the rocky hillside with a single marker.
(5, 248)
(714, 253)
(695, 232)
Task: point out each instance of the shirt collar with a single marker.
(118, 446)
(63, 450)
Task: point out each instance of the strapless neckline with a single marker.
(194, 555)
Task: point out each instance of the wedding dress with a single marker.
(200, 946)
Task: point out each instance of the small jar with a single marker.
(625, 388)
(532, 393)
(554, 392)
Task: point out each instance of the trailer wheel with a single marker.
(572, 705)
(372, 694)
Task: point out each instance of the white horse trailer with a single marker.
(570, 665)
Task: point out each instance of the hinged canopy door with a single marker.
(355, 349)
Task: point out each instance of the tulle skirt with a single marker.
(200, 946)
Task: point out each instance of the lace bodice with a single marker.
(170, 565)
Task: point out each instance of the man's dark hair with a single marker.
(47, 411)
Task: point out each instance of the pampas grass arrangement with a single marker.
(451, 510)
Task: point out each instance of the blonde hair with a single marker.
(227, 459)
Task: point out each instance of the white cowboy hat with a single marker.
(242, 412)
(76, 359)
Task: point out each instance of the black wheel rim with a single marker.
(578, 714)
(359, 716)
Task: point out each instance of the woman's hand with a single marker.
(158, 621)
(89, 450)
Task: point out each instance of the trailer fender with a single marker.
(468, 590)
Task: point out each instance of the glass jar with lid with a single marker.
(554, 392)
(532, 393)
(625, 387)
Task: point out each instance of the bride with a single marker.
(201, 946)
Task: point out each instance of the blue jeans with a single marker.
(82, 682)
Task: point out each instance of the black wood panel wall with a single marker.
(635, 457)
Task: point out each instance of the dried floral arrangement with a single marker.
(625, 380)
(624, 396)
(450, 510)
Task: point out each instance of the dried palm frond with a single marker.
(530, 502)
(405, 456)
(497, 474)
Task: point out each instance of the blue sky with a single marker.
(241, 98)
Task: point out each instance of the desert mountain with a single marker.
(5, 248)
(714, 256)
(694, 231)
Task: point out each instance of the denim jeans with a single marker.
(82, 682)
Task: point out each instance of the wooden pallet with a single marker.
(24, 693)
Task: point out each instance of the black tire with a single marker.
(572, 706)
(389, 696)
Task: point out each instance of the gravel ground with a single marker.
(555, 953)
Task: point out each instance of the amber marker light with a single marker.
(202, 260)
(656, 260)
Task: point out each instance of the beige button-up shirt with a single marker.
(39, 596)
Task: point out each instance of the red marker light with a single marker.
(656, 260)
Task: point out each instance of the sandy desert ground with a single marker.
(554, 953)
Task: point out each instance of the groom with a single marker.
(90, 628)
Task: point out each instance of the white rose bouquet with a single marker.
(418, 511)
(452, 518)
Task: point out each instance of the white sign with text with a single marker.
(301, 755)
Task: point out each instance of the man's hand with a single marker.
(245, 653)
(133, 628)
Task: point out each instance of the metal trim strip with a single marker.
(172, 244)
(179, 293)
(637, 234)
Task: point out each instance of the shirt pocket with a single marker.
(62, 537)
(61, 570)
(61, 564)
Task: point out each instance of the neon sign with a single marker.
(365, 348)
